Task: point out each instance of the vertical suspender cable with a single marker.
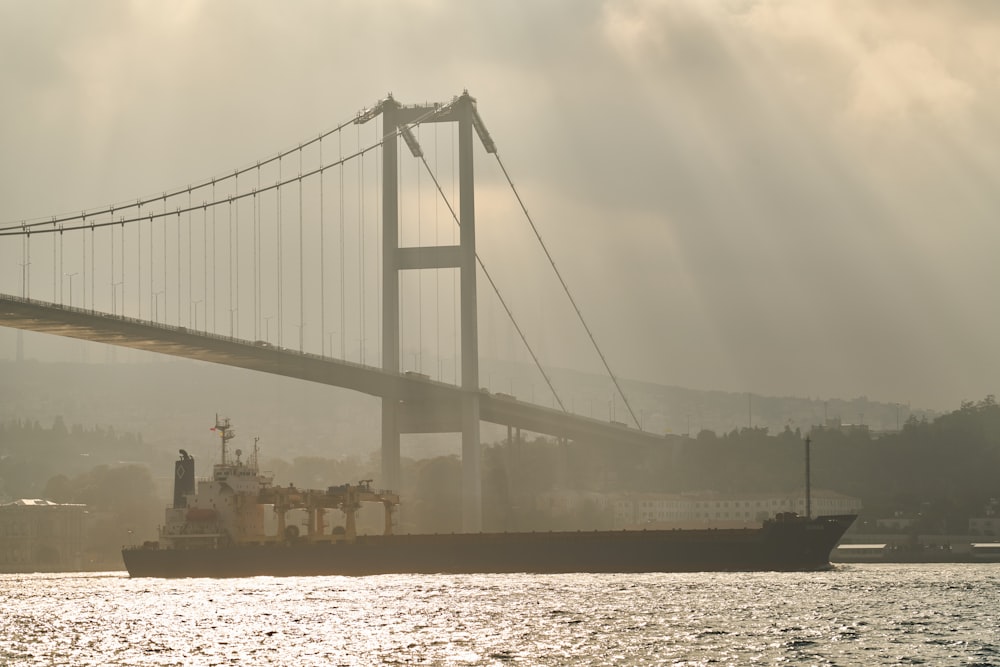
(454, 274)
(62, 275)
(361, 244)
(93, 305)
(122, 283)
(138, 265)
(565, 287)
(164, 258)
(179, 282)
(378, 246)
(152, 272)
(214, 253)
(204, 264)
(302, 282)
(204, 268)
(256, 259)
(83, 269)
(343, 331)
(437, 272)
(403, 301)
(55, 298)
(114, 298)
(420, 279)
(236, 215)
(496, 290)
(322, 258)
(190, 261)
(154, 302)
(280, 273)
(229, 268)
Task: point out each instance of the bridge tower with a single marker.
(396, 413)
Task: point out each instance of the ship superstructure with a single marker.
(229, 508)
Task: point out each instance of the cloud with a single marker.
(770, 195)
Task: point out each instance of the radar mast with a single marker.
(226, 433)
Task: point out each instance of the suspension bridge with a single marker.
(294, 264)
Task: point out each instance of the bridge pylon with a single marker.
(398, 119)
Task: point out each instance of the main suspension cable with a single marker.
(55, 220)
(496, 290)
(565, 287)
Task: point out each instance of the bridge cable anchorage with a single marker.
(565, 287)
(493, 284)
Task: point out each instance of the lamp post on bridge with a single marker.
(156, 304)
(114, 299)
(267, 327)
(24, 278)
(194, 308)
(70, 276)
(329, 335)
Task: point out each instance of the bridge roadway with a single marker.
(426, 406)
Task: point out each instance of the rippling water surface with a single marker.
(852, 615)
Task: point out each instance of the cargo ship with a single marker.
(216, 528)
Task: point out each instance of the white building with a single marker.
(40, 536)
(719, 510)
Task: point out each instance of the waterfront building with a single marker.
(41, 536)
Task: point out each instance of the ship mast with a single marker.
(225, 432)
(808, 489)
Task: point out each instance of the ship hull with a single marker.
(777, 546)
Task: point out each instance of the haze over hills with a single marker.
(172, 404)
(787, 198)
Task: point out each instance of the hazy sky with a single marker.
(784, 197)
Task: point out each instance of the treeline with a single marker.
(96, 466)
(122, 509)
(939, 472)
(30, 453)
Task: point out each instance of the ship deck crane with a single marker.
(346, 497)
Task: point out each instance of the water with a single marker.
(853, 615)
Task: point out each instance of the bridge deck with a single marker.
(428, 405)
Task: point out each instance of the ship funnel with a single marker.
(183, 479)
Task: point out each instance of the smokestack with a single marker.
(183, 479)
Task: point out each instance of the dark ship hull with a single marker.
(791, 544)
